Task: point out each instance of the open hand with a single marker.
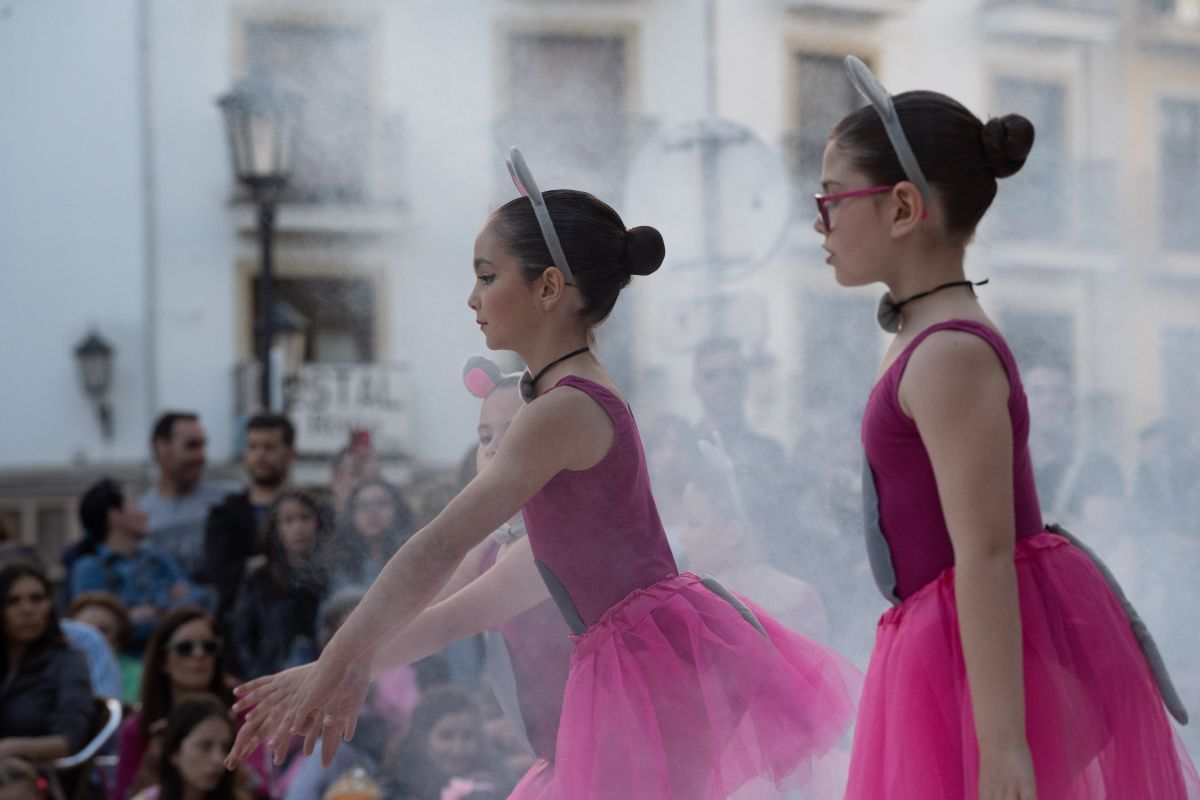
(266, 700)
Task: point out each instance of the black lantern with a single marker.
(263, 120)
(95, 357)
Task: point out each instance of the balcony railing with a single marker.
(868, 8)
(1062, 20)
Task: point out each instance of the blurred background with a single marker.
(191, 191)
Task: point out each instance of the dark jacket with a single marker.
(51, 695)
(231, 536)
(273, 625)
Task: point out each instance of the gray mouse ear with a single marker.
(481, 375)
(869, 87)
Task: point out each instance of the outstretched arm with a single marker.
(956, 390)
(561, 430)
(511, 586)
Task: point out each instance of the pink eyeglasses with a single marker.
(823, 200)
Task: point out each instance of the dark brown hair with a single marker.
(184, 719)
(960, 156)
(109, 602)
(52, 636)
(156, 685)
(602, 255)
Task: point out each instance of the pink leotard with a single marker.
(597, 530)
(905, 501)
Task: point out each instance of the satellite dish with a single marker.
(718, 193)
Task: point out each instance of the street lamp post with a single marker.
(263, 120)
(95, 358)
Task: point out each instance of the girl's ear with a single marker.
(910, 208)
(553, 287)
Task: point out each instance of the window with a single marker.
(823, 95)
(329, 65)
(1035, 201)
(567, 109)
(338, 315)
(1180, 169)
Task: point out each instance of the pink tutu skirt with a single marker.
(673, 694)
(1096, 725)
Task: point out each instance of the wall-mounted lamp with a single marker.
(95, 356)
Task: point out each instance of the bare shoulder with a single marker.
(953, 369)
(569, 422)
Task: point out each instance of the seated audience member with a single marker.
(191, 764)
(117, 558)
(45, 693)
(444, 749)
(105, 612)
(274, 623)
(182, 661)
(18, 780)
(378, 522)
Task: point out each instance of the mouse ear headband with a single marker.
(481, 376)
(870, 88)
(523, 179)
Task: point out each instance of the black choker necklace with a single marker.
(889, 309)
(528, 383)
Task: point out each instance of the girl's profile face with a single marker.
(454, 743)
(505, 305)
(495, 415)
(858, 238)
(201, 756)
(374, 512)
(26, 610)
(298, 527)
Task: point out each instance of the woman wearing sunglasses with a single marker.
(183, 660)
(1007, 669)
(676, 688)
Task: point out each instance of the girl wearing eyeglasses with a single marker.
(183, 660)
(1007, 667)
(676, 688)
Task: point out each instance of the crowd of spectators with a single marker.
(174, 596)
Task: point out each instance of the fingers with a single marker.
(252, 693)
(331, 739)
(351, 727)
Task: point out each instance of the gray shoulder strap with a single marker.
(879, 553)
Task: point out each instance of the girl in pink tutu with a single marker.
(676, 689)
(527, 655)
(1009, 667)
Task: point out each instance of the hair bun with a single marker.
(1007, 141)
(644, 250)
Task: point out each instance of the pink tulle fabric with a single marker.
(1095, 723)
(672, 694)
